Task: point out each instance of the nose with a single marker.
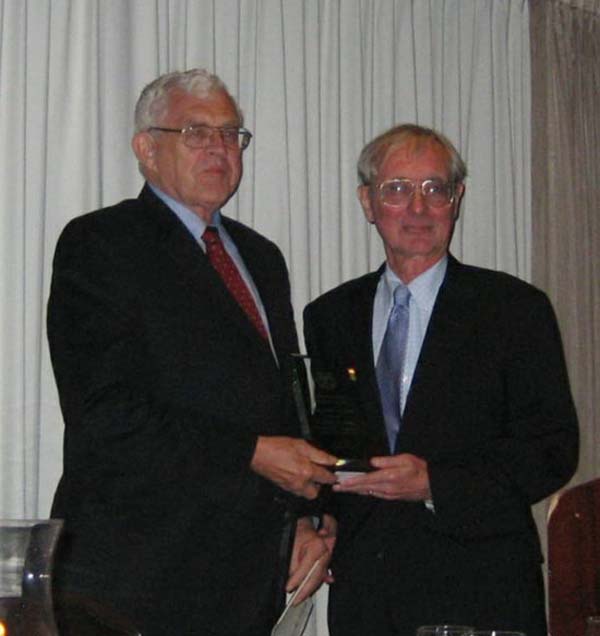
(417, 203)
(215, 140)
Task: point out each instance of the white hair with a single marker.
(374, 152)
(154, 99)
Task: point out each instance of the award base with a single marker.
(353, 466)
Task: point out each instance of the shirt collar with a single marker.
(423, 288)
(191, 220)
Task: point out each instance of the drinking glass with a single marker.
(592, 626)
(496, 632)
(26, 551)
(444, 630)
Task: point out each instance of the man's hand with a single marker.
(399, 477)
(293, 464)
(310, 546)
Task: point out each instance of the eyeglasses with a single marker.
(200, 135)
(400, 192)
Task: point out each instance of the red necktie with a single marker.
(223, 263)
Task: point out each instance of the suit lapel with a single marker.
(448, 331)
(360, 343)
(195, 269)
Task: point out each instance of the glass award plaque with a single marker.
(330, 413)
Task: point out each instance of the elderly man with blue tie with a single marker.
(460, 377)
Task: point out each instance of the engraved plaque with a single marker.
(330, 412)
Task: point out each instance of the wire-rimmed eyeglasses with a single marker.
(200, 135)
(400, 192)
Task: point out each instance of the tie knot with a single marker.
(211, 235)
(401, 296)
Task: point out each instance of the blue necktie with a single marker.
(391, 362)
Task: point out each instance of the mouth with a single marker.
(417, 229)
(212, 164)
(214, 172)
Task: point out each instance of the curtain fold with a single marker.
(565, 43)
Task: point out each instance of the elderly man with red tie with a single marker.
(170, 330)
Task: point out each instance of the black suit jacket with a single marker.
(491, 411)
(164, 386)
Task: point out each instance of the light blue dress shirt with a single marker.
(423, 292)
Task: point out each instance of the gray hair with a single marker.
(154, 99)
(374, 152)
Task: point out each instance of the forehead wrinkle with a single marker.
(200, 109)
(410, 151)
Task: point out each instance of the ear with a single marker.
(458, 194)
(364, 196)
(144, 147)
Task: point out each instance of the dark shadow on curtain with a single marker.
(565, 68)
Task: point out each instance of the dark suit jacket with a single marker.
(490, 410)
(164, 386)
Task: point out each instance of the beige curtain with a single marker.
(565, 69)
